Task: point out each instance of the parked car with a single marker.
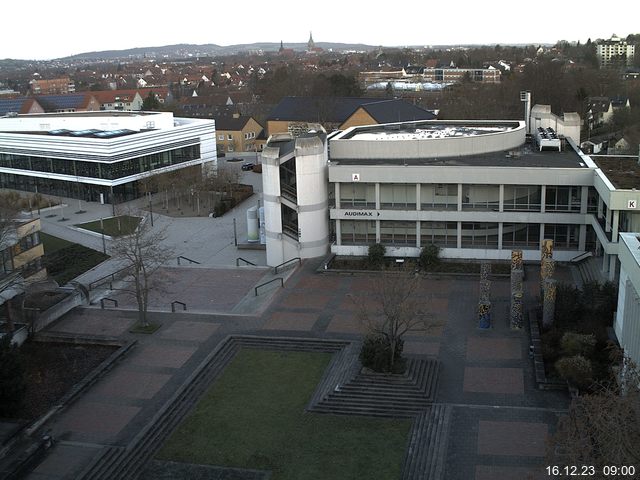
(247, 166)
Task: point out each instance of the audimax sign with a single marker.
(361, 213)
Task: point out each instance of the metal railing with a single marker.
(187, 259)
(102, 300)
(176, 302)
(247, 262)
(267, 283)
(582, 256)
(283, 264)
(110, 278)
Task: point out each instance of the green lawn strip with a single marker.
(52, 244)
(128, 225)
(253, 417)
(65, 260)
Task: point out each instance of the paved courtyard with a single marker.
(500, 419)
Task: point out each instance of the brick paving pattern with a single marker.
(499, 420)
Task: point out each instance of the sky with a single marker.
(47, 29)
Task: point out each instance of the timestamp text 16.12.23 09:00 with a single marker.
(613, 471)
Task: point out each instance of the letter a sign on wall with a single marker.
(355, 177)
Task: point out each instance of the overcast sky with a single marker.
(45, 29)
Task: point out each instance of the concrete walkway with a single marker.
(500, 421)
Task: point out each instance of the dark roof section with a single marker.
(318, 109)
(231, 124)
(389, 111)
(12, 105)
(623, 172)
(339, 109)
(525, 156)
(62, 102)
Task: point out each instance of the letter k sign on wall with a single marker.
(355, 177)
(632, 204)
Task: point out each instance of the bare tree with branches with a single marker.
(395, 306)
(143, 253)
(11, 280)
(602, 428)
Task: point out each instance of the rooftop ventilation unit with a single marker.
(548, 138)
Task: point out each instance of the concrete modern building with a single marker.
(627, 321)
(477, 189)
(295, 193)
(99, 156)
(615, 51)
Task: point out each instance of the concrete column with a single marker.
(541, 234)
(378, 200)
(600, 206)
(459, 197)
(377, 231)
(501, 200)
(459, 232)
(607, 224)
(543, 198)
(612, 267)
(500, 236)
(605, 262)
(549, 302)
(337, 194)
(418, 239)
(582, 238)
(584, 200)
(614, 225)
(418, 201)
(338, 233)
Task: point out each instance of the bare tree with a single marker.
(11, 281)
(143, 253)
(602, 428)
(395, 306)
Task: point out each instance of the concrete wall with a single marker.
(568, 125)
(627, 321)
(312, 182)
(369, 149)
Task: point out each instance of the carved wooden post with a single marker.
(549, 302)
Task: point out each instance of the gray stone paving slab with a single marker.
(93, 322)
(482, 348)
(187, 330)
(525, 439)
(94, 421)
(202, 289)
(494, 380)
(130, 384)
(495, 472)
(64, 460)
(162, 355)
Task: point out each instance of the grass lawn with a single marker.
(65, 260)
(114, 226)
(253, 417)
(52, 244)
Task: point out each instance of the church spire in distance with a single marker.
(311, 44)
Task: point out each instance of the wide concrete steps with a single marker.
(425, 457)
(381, 395)
(589, 270)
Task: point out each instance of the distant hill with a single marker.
(190, 50)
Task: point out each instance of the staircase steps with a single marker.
(425, 457)
(383, 395)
